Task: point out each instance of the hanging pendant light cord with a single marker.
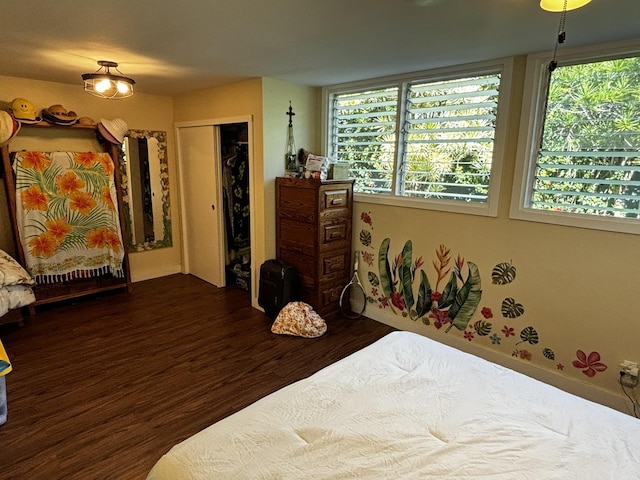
(562, 35)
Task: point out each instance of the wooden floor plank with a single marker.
(103, 386)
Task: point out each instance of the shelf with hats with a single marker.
(74, 126)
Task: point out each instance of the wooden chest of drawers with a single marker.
(313, 233)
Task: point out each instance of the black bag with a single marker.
(278, 286)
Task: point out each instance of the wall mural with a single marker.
(448, 295)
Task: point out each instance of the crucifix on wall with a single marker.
(290, 156)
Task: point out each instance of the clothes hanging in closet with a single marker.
(235, 182)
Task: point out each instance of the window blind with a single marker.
(589, 156)
(364, 134)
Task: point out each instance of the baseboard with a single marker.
(151, 273)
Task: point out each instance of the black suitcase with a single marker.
(278, 286)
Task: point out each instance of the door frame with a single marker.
(214, 123)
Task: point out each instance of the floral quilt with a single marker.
(67, 217)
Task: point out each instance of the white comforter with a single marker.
(409, 407)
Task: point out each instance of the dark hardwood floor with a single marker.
(102, 387)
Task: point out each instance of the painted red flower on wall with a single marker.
(397, 300)
(589, 364)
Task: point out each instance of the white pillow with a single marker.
(12, 273)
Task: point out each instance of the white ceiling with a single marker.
(172, 47)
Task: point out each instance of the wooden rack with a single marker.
(54, 292)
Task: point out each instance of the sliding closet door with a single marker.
(201, 202)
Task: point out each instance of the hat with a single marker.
(24, 111)
(58, 114)
(9, 127)
(113, 130)
(86, 121)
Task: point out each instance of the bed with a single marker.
(410, 407)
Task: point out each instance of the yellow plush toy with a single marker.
(5, 365)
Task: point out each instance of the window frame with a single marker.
(531, 123)
(489, 208)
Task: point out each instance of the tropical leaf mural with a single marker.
(365, 238)
(503, 273)
(482, 327)
(529, 335)
(511, 309)
(455, 305)
(446, 294)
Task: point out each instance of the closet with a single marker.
(80, 282)
(234, 147)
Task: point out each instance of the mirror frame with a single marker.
(166, 241)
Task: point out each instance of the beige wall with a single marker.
(578, 287)
(306, 132)
(151, 112)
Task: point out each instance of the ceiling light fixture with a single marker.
(104, 84)
(560, 5)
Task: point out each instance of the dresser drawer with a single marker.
(333, 266)
(334, 232)
(331, 293)
(335, 199)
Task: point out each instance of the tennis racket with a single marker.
(353, 299)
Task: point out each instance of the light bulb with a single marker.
(123, 87)
(103, 85)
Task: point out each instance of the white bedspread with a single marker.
(409, 407)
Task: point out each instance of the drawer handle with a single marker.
(335, 234)
(336, 201)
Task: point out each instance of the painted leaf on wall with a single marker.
(467, 299)
(449, 293)
(373, 279)
(482, 327)
(405, 274)
(511, 309)
(548, 353)
(365, 238)
(529, 335)
(385, 271)
(424, 296)
(503, 273)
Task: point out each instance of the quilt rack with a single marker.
(55, 292)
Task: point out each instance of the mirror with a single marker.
(145, 190)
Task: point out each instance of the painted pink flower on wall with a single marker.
(589, 364)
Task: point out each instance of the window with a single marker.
(582, 161)
(427, 140)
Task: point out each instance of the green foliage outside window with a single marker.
(589, 160)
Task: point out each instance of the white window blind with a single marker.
(449, 133)
(364, 134)
(421, 139)
(589, 156)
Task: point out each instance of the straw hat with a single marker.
(9, 127)
(59, 115)
(86, 121)
(24, 111)
(113, 130)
